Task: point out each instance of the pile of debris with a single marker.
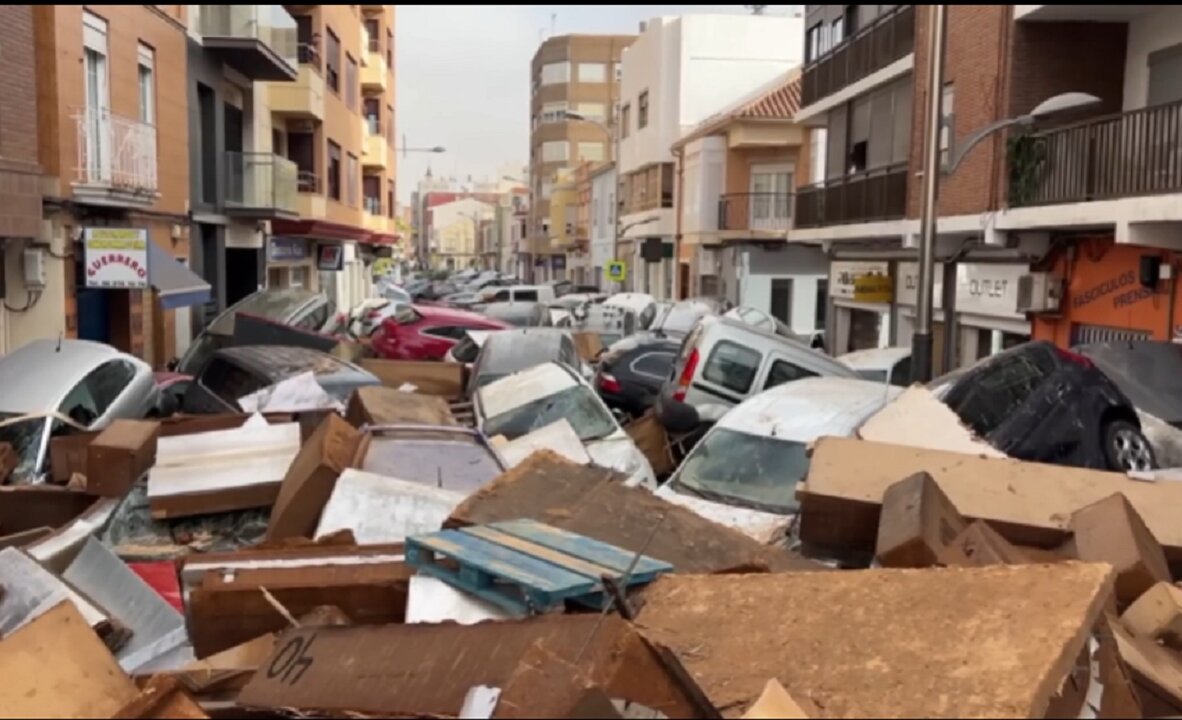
(315, 565)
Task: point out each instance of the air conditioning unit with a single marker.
(1039, 293)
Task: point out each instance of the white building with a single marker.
(677, 73)
(455, 227)
(603, 225)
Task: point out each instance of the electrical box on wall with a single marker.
(33, 262)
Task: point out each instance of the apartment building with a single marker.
(238, 184)
(576, 74)
(336, 122)
(20, 173)
(736, 179)
(1043, 230)
(455, 229)
(679, 71)
(603, 225)
(113, 147)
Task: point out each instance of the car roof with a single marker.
(508, 351)
(804, 410)
(524, 387)
(875, 358)
(293, 300)
(37, 375)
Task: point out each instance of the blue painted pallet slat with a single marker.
(525, 566)
(613, 559)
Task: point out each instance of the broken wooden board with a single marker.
(368, 669)
(56, 667)
(1028, 503)
(594, 502)
(949, 642)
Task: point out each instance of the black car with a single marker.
(632, 370)
(1041, 403)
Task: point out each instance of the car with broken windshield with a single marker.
(521, 403)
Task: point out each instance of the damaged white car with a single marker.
(521, 403)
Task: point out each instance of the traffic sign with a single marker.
(617, 271)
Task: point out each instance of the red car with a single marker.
(427, 333)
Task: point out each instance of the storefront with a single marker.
(861, 293)
(1113, 292)
(987, 320)
(290, 264)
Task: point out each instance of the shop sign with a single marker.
(868, 282)
(330, 257)
(288, 250)
(116, 258)
(1122, 290)
(907, 285)
(988, 289)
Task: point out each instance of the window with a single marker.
(592, 72)
(783, 371)
(555, 151)
(390, 49)
(451, 332)
(108, 381)
(556, 73)
(625, 120)
(642, 110)
(817, 138)
(373, 33)
(998, 389)
(547, 188)
(836, 31)
(354, 169)
(147, 80)
(947, 120)
(822, 301)
(590, 152)
(813, 43)
(334, 171)
(553, 112)
(654, 364)
(332, 62)
(98, 141)
(372, 109)
(371, 191)
(732, 366)
(352, 89)
(390, 209)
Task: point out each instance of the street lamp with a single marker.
(921, 340)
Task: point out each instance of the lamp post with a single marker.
(404, 149)
(921, 340)
(614, 141)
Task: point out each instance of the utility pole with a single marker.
(921, 341)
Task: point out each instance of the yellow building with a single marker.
(455, 226)
(564, 205)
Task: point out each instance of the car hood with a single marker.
(618, 453)
(762, 526)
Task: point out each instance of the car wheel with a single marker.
(1126, 447)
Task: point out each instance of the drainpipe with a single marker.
(678, 204)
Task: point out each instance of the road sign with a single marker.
(617, 271)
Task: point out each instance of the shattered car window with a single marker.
(25, 438)
(745, 470)
(576, 404)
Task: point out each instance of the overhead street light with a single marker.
(436, 149)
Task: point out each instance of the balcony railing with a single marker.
(309, 54)
(372, 205)
(270, 25)
(872, 195)
(308, 182)
(1125, 155)
(260, 182)
(887, 39)
(115, 151)
(768, 212)
(373, 125)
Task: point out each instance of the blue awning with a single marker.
(177, 285)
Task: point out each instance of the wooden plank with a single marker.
(566, 562)
(503, 563)
(581, 546)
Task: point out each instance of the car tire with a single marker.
(1126, 447)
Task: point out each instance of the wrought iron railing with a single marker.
(116, 151)
(886, 40)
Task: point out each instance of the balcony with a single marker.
(302, 99)
(375, 75)
(1081, 13)
(258, 41)
(869, 196)
(373, 219)
(310, 200)
(755, 213)
(376, 150)
(116, 160)
(888, 39)
(1126, 155)
(260, 186)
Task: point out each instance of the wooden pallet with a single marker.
(527, 567)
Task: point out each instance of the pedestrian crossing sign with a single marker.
(617, 271)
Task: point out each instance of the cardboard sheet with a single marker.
(918, 419)
(558, 436)
(429, 378)
(43, 680)
(952, 642)
(1028, 503)
(381, 509)
(378, 405)
(433, 601)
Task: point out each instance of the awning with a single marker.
(177, 285)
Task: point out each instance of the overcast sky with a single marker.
(462, 74)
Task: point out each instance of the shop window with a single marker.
(732, 366)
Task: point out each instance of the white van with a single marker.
(521, 293)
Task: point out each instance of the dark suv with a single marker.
(1041, 403)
